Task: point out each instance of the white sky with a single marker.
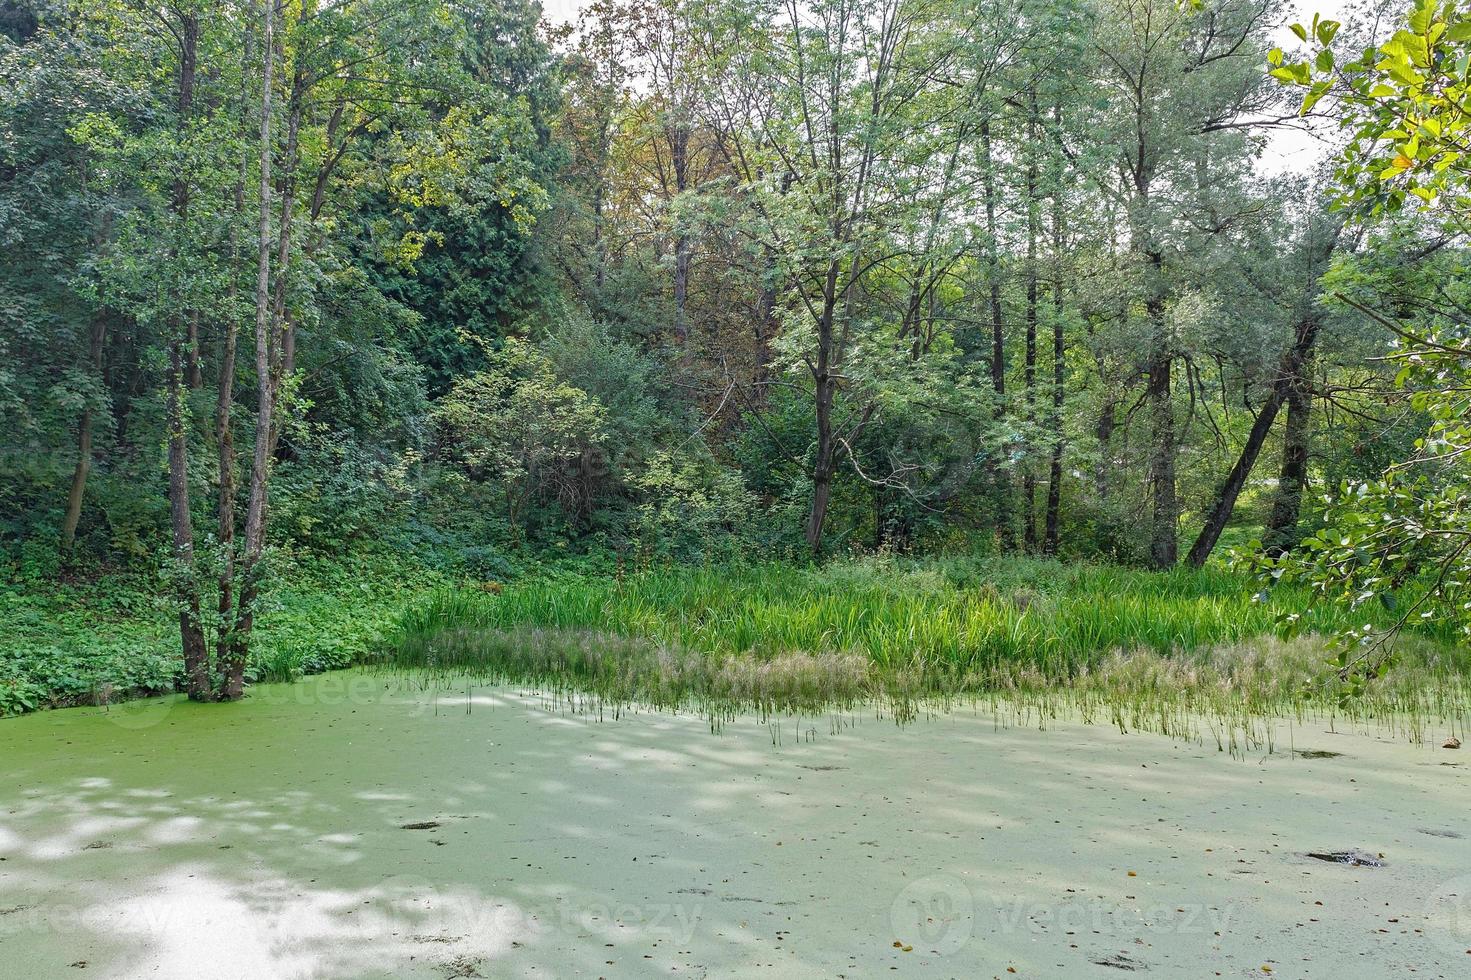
(560, 11)
(1297, 150)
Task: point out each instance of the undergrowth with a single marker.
(116, 637)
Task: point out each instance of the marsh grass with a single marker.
(1192, 654)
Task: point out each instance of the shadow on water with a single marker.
(352, 825)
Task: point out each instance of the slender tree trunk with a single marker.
(1230, 489)
(681, 286)
(265, 383)
(191, 631)
(878, 517)
(1001, 485)
(1054, 470)
(78, 487)
(196, 370)
(1029, 475)
(225, 442)
(825, 388)
(83, 468)
(224, 431)
(993, 263)
(679, 158)
(196, 655)
(1164, 529)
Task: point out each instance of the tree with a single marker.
(1402, 539)
(851, 78)
(1184, 87)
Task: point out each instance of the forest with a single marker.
(425, 289)
(763, 364)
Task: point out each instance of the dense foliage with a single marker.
(711, 282)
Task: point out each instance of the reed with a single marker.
(1166, 652)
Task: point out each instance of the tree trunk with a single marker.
(1001, 485)
(1029, 365)
(84, 448)
(265, 386)
(78, 488)
(1281, 532)
(196, 370)
(824, 390)
(679, 158)
(1054, 469)
(1163, 544)
(1164, 528)
(224, 431)
(282, 343)
(191, 633)
(1230, 489)
(681, 286)
(1289, 387)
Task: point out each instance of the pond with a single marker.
(346, 826)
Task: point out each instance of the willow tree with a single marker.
(1184, 89)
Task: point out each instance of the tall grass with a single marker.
(957, 616)
(1141, 649)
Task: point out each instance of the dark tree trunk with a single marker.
(681, 287)
(196, 370)
(1281, 532)
(1001, 484)
(879, 528)
(224, 431)
(78, 489)
(824, 390)
(1230, 489)
(191, 631)
(1163, 544)
(679, 140)
(1290, 387)
(1164, 528)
